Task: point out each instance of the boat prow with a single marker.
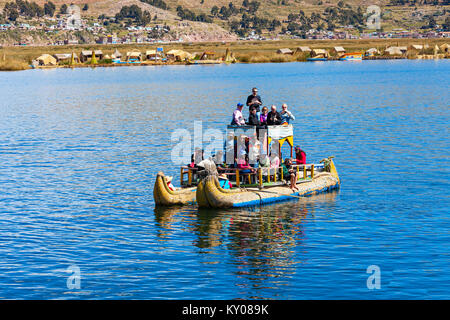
(165, 197)
(211, 195)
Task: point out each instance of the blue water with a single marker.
(79, 151)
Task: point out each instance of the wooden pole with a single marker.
(304, 172)
(237, 178)
(260, 177)
(312, 171)
(189, 177)
(181, 176)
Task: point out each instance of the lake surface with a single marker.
(80, 149)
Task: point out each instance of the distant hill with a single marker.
(229, 19)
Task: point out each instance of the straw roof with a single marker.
(319, 52)
(116, 54)
(373, 50)
(285, 51)
(339, 49)
(63, 56)
(303, 49)
(393, 51)
(445, 47)
(89, 52)
(134, 53)
(150, 52)
(107, 57)
(46, 59)
(179, 53)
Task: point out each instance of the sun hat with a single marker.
(169, 178)
(223, 176)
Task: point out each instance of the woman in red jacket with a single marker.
(300, 155)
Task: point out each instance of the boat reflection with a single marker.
(259, 242)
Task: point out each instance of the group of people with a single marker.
(261, 116)
(272, 162)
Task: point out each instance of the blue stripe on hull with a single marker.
(283, 198)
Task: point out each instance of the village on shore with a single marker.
(97, 57)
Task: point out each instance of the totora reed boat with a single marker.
(226, 186)
(210, 195)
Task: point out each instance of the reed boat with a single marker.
(353, 56)
(224, 184)
(165, 197)
(209, 193)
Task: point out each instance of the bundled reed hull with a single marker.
(211, 195)
(165, 197)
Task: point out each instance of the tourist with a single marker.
(263, 116)
(289, 174)
(254, 100)
(253, 119)
(300, 155)
(238, 118)
(243, 164)
(224, 182)
(286, 115)
(273, 117)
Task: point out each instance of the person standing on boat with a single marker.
(273, 117)
(238, 118)
(254, 101)
(286, 115)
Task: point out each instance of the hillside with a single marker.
(218, 20)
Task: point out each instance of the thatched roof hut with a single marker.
(207, 55)
(46, 60)
(86, 55)
(445, 48)
(63, 57)
(303, 49)
(153, 55)
(372, 51)
(116, 54)
(178, 55)
(319, 53)
(134, 54)
(393, 51)
(337, 50)
(285, 51)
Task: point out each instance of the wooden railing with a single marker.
(272, 174)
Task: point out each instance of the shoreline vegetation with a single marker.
(20, 58)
